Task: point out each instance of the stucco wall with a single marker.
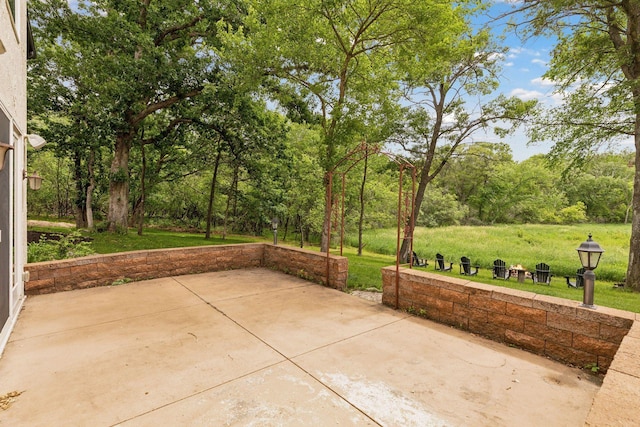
(13, 63)
(101, 270)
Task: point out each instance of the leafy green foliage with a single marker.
(574, 214)
(69, 245)
(441, 209)
(596, 68)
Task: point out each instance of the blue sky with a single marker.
(523, 67)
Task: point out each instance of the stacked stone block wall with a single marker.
(101, 270)
(308, 265)
(557, 328)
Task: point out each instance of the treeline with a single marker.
(220, 116)
(481, 185)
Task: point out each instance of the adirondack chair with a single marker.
(542, 274)
(500, 270)
(465, 267)
(579, 283)
(440, 263)
(417, 262)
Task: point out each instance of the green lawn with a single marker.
(517, 244)
(104, 243)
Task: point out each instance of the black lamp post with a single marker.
(589, 253)
(274, 227)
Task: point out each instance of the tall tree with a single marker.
(441, 116)
(338, 56)
(525, 192)
(596, 66)
(135, 59)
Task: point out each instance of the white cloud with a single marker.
(558, 98)
(525, 94)
(508, 64)
(449, 118)
(541, 81)
(539, 62)
(515, 51)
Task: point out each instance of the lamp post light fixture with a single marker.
(35, 181)
(589, 253)
(36, 141)
(274, 227)
(4, 150)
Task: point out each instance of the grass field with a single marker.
(517, 244)
(527, 245)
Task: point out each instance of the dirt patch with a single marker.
(35, 223)
(369, 295)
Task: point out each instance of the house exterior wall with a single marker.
(13, 128)
(13, 63)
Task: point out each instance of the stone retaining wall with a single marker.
(307, 264)
(553, 327)
(101, 270)
(557, 328)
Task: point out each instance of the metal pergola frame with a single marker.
(405, 217)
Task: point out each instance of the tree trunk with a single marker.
(286, 229)
(119, 185)
(143, 190)
(234, 186)
(361, 219)
(324, 241)
(632, 280)
(79, 204)
(212, 193)
(425, 178)
(90, 187)
(301, 231)
(425, 173)
(234, 189)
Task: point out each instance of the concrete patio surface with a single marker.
(258, 347)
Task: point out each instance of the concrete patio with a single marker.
(258, 347)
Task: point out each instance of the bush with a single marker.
(574, 214)
(71, 245)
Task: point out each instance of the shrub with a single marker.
(574, 214)
(69, 246)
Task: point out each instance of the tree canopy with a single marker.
(596, 67)
(222, 115)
